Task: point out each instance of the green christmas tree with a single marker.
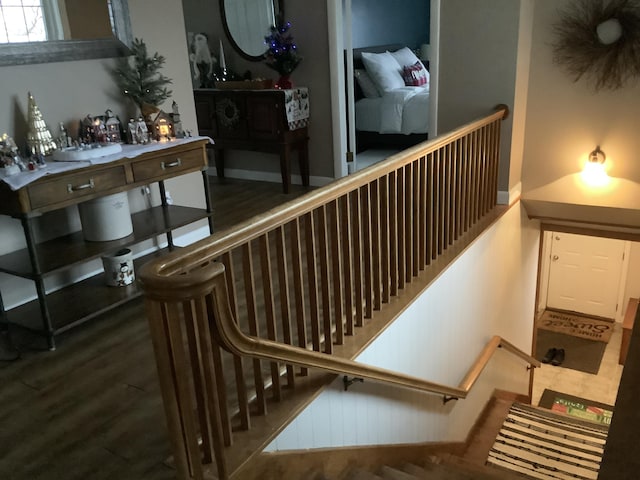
(141, 80)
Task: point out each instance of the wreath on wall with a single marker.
(599, 40)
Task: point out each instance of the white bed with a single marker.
(392, 96)
(404, 111)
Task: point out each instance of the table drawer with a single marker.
(167, 165)
(81, 184)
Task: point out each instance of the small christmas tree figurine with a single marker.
(39, 138)
(141, 81)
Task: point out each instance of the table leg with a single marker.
(218, 155)
(38, 280)
(285, 167)
(303, 159)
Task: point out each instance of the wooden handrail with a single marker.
(167, 268)
(241, 344)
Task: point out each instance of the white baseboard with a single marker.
(269, 176)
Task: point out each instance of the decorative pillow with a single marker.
(366, 84)
(405, 56)
(384, 70)
(415, 75)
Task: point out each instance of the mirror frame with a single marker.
(279, 11)
(64, 50)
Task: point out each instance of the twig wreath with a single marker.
(599, 40)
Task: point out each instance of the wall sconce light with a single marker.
(594, 173)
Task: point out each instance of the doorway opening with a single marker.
(583, 274)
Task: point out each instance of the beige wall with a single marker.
(566, 120)
(478, 60)
(66, 92)
(309, 20)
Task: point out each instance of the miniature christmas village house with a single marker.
(112, 125)
(162, 126)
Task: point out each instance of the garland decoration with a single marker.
(599, 40)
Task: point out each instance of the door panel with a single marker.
(585, 274)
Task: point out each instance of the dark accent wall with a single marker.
(380, 22)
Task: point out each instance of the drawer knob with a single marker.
(77, 188)
(176, 163)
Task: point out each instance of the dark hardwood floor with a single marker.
(92, 409)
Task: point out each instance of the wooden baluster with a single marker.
(455, 193)
(182, 430)
(358, 268)
(365, 215)
(432, 199)
(464, 171)
(269, 310)
(483, 178)
(468, 183)
(475, 154)
(393, 232)
(417, 213)
(408, 224)
(446, 198)
(496, 158)
(204, 372)
(241, 387)
(283, 283)
(180, 367)
(214, 378)
(375, 245)
(423, 214)
(324, 279)
(335, 241)
(385, 244)
(347, 259)
(461, 188)
(312, 280)
(298, 289)
(252, 320)
(442, 205)
(402, 232)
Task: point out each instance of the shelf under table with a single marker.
(77, 303)
(68, 250)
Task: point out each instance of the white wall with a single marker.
(489, 290)
(67, 92)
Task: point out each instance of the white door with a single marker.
(585, 273)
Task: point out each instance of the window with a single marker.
(22, 21)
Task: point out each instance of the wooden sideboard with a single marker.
(54, 313)
(253, 120)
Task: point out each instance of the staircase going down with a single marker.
(532, 443)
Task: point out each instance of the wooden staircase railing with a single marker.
(288, 287)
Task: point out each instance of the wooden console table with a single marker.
(254, 120)
(54, 313)
(627, 329)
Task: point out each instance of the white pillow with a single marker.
(405, 57)
(367, 86)
(384, 70)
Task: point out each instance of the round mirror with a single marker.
(247, 22)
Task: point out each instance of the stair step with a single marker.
(389, 473)
(363, 475)
(416, 471)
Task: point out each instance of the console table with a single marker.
(54, 313)
(270, 121)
